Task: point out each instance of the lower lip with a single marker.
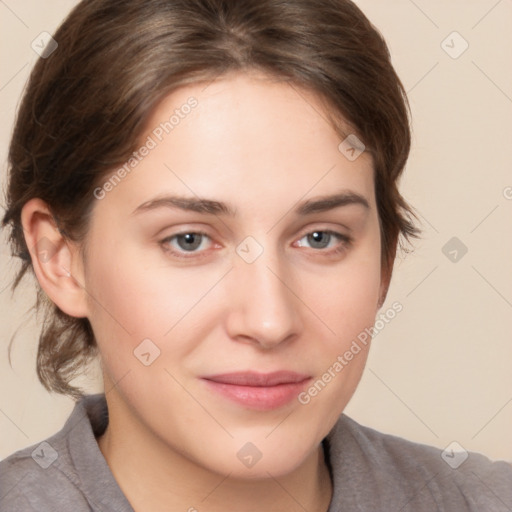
(261, 398)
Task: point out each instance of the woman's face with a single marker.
(240, 243)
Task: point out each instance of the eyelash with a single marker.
(345, 240)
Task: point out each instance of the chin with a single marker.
(263, 458)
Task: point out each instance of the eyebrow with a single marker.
(209, 206)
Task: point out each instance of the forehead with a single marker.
(247, 139)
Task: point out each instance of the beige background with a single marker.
(441, 370)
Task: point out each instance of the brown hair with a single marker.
(86, 104)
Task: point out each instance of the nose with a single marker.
(264, 308)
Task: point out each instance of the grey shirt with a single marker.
(370, 471)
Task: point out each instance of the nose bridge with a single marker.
(265, 308)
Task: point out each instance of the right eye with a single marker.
(180, 244)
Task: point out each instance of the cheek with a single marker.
(347, 297)
(347, 304)
(135, 297)
(349, 307)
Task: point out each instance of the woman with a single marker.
(269, 137)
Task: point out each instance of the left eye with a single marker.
(321, 239)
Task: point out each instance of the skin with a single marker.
(260, 146)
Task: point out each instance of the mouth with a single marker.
(259, 391)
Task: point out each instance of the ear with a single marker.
(56, 260)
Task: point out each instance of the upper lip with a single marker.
(258, 379)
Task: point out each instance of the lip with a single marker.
(260, 391)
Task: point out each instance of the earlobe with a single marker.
(56, 260)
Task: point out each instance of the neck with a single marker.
(155, 477)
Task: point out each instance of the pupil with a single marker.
(190, 241)
(317, 237)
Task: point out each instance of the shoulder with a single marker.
(34, 477)
(413, 475)
(60, 472)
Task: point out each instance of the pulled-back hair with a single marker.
(86, 105)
